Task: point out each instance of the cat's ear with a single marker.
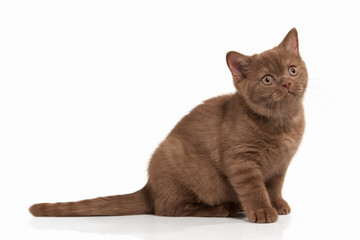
(291, 42)
(238, 64)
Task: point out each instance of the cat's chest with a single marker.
(283, 146)
(277, 151)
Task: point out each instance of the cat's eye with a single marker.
(293, 71)
(268, 80)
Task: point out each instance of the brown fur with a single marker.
(228, 154)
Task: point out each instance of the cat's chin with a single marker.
(280, 109)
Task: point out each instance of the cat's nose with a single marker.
(287, 85)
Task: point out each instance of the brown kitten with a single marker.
(228, 154)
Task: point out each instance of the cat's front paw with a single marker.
(263, 215)
(281, 206)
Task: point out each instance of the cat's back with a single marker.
(194, 138)
(205, 119)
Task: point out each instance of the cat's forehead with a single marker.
(273, 61)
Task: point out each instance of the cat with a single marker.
(229, 154)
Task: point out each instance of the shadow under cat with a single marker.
(151, 227)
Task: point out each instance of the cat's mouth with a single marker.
(289, 96)
(290, 92)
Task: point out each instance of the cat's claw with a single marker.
(282, 207)
(263, 215)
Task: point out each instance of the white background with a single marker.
(88, 89)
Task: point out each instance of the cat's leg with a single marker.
(194, 210)
(176, 201)
(187, 204)
(213, 189)
(234, 208)
(193, 179)
(203, 210)
(247, 181)
(172, 199)
(274, 186)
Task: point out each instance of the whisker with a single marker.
(319, 96)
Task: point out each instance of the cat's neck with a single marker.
(275, 122)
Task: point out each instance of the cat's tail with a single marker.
(129, 204)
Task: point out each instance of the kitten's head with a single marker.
(273, 82)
